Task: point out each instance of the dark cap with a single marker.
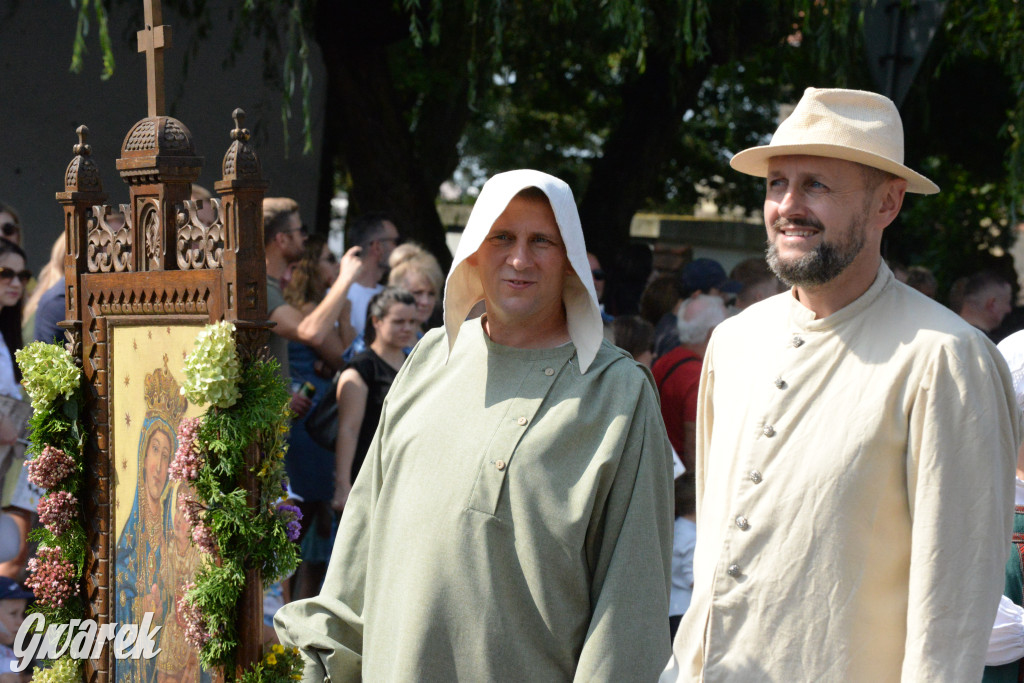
(12, 590)
(705, 274)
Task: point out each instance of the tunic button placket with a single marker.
(741, 523)
(733, 570)
(797, 342)
(780, 383)
(521, 421)
(500, 465)
(755, 476)
(549, 371)
(768, 431)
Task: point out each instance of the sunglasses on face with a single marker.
(329, 257)
(598, 274)
(10, 229)
(8, 274)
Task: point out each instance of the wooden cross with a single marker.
(153, 40)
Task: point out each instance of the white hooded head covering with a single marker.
(463, 288)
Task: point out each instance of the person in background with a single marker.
(310, 467)
(419, 274)
(921, 279)
(757, 282)
(19, 497)
(699, 276)
(986, 300)
(10, 223)
(376, 236)
(392, 321)
(14, 599)
(635, 336)
(597, 272)
(1006, 643)
(51, 274)
(677, 373)
(683, 541)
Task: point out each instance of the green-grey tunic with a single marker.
(512, 521)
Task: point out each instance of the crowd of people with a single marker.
(799, 469)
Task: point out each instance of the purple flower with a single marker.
(291, 516)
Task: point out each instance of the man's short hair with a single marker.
(534, 194)
(366, 228)
(980, 284)
(276, 213)
(873, 177)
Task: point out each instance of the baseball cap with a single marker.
(705, 274)
(12, 590)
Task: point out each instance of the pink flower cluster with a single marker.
(50, 467)
(187, 459)
(50, 577)
(57, 510)
(193, 619)
(203, 537)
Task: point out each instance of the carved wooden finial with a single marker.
(82, 148)
(153, 40)
(239, 133)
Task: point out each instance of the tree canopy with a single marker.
(638, 104)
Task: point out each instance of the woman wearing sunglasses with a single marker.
(13, 277)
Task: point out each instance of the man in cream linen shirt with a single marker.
(856, 441)
(513, 518)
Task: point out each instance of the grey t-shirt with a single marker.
(278, 345)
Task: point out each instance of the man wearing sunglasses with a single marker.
(376, 237)
(284, 237)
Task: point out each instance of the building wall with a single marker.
(42, 103)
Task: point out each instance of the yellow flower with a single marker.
(271, 659)
(278, 649)
(295, 651)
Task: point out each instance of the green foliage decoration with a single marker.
(57, 436)
(63, 670)
(242, 440)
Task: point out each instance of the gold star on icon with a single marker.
(149, 333)
(168, 330)
(127, 380)
(127, 420)
(124, 464)
(135, 345)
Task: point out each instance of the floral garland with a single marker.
(53, 383)
(248, 409)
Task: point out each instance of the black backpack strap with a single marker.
(673, 369)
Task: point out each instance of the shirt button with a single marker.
(549, 371)
(733, 570)
(767, 431)
(521, 421)
(755, 476)
(798, 342)
(780, 383)
(500, 465)
(742, 523)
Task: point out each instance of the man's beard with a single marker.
(822, 264)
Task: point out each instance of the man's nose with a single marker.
(520, 256)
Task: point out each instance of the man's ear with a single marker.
(891, 200)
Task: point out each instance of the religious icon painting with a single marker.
(154, 554)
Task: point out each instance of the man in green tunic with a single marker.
(513, 518)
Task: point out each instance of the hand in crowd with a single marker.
(300, 404)
(341, 491)
(8, 432)
(351, 266)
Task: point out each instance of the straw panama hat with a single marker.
(854, 125)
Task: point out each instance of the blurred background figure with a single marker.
(597, 272)
(702, 276)
(51, 274)
(310, 467)
(10, 224)
(757, 282)
(418, 272)
(391, 324)
(635, 336)
(921, 279)
(684, 540)
(633, 266)
(206, 213)
(986, 300)
(677, 373)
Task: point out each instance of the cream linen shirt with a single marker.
(854, 494)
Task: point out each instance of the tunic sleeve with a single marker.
(962, 445)
(328, 629)
(632, 564)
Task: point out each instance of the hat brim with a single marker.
(754, 161)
